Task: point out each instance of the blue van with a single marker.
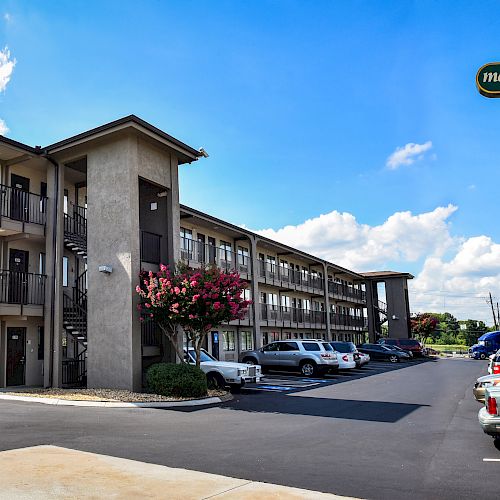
(487, 344)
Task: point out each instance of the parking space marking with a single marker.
(491, 459)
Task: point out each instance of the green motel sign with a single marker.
(488, 80)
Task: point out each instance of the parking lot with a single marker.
(386, 431)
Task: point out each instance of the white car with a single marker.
(346, 353)
(225, 373)
(363, 358)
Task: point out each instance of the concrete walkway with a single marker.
(56, 473)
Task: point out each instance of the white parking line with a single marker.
(491, 459)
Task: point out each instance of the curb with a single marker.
(119, 404)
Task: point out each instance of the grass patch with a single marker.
(448, 347)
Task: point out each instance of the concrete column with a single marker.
(173, 217)
(371, 304)
(54, 249)
(3, 353)
(254, 285)
(327, 303)
(397, 308)
(114, 334)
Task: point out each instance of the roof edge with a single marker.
(122, 121)
(19, 145)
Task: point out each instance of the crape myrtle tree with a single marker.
(196, 300)
(423, 325)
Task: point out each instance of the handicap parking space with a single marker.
(286, 383)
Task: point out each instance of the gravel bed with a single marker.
(108, 395)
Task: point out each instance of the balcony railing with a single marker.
(150, 247)
(199, 253)
(290, 315)
(346, 291)
(151, 334)
(338, 319)
(17, 204)
(22, 288)
(272, 271)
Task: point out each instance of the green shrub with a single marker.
(177, 380)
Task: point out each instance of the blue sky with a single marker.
(299, 104)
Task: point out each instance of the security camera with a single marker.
(203, 153)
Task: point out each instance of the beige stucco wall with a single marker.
(113, 170)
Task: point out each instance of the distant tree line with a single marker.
(444, 328)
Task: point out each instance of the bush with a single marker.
(177, 380)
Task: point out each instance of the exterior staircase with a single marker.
(75, 305)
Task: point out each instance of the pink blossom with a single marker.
(138, 289)
(148, 305)
(177, 290)
(217, 306)
(163, 267)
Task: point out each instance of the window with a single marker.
(41, 343)
(65, 271)
(65, 203)
(311, 346)
(271, 347)
(288, 346)
(246, 341)
(186, 242)
(229, 343)
(41, 263)
(243, 256)
(307, 305)
(272, 299)
(285, 302)
(225, 249)
(246, 295)
(271, 264)
(276, 336)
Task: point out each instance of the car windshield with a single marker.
(204, 356)
(344, 346)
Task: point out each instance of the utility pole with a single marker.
(493, 311)
(498, 314)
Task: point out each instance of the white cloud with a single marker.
(7, 64)
(340, 238)
(3, 127)
(456, 274)
(407, 154)
(7, 17)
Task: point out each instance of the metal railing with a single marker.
(272, 271)
(74, 371)
(150, 334)
(22, 288)
(286, 314)
(338, 319)
(344, 290)
(150, 247)
(17, 204)
(197, 252)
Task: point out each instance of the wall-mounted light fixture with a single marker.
(105, 269)
(394, 316)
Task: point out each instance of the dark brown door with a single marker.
(211, 250)
(16, 343)
(19, 200)
(18, 282)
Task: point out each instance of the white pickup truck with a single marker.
(225, 373)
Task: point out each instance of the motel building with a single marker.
(80, 218)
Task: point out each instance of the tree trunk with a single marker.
(172, 335)
(198, 344)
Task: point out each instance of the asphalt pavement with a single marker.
(384, 432)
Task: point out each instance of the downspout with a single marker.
(54, 265)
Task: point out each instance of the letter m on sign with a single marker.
(489, 77)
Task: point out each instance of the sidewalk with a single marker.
(57, 473)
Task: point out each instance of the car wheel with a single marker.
(250, 361)
(308, 368)
(482, 356)
(215, 381)
(393, 359)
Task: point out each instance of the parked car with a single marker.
(310, 357)
(381, 352)
(225, 373)
(347, 355)
(363, 359)
(494, 364)
(487, 344)
(408, 354)
(482, 383)
(488, 415)
(411, 345)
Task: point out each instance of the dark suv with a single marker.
(408, 345)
